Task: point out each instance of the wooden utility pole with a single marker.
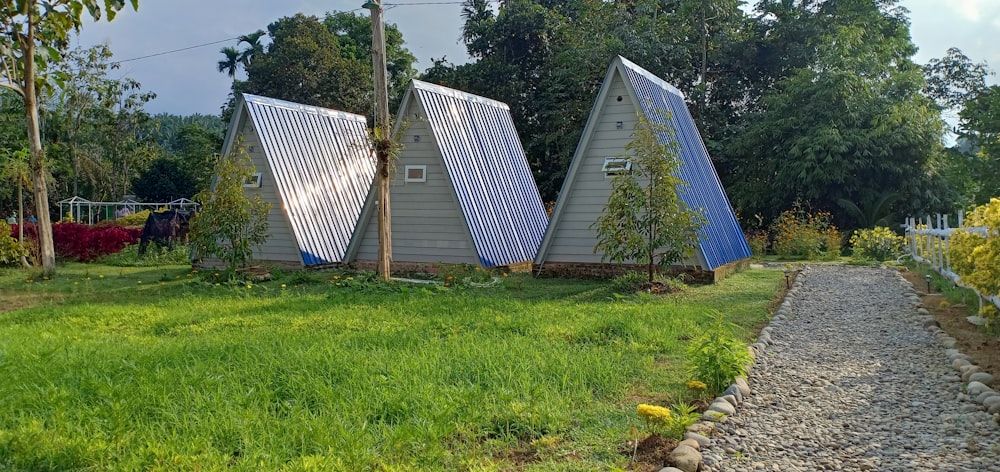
(382, 139)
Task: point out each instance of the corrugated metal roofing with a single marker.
(323, 168)
(722, 240)
(489, 171)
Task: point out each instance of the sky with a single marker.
(187, 82)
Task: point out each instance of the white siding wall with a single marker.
(280, 244)
(574, 240)
(426, 223)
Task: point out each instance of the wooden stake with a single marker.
(383, 145)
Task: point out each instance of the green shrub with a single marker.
(798, 233)
(878, 244)
(758, 243)
(11, 251)
(717, 358)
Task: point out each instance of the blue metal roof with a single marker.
(489, 171)
(322, 165)
(722, 239)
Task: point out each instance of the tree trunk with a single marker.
(20, 216)
(384, 220)
(41, 192)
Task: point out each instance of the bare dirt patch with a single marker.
(971, 340)
(651, 454)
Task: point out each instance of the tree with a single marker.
(230, 225)
(165, 180)
(980, 126)
(849, 122)
(353, 33)
(545, 59)
(954, 79)
(34, 32)
(304, 64)
(231, 63)
(645, 219)
(16, 169)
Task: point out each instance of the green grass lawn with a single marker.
(111, 368)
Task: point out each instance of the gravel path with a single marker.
(853, 382)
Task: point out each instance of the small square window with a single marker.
(415, 174)
(616, 165)
(253, 180)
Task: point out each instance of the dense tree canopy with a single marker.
(809, 101)
(323, 62)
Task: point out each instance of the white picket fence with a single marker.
(933, 248)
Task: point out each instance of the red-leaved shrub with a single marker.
(78, 242)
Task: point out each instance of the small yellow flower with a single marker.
(350, 278)
(653, 413)
(216, 285)
(189, 275)
(100, 276)
(76, 283)
(45, 277)
(249, 286)
(177, 276)
(696, 385)
(140, 282)
(195, 271)
(29, 281)
(282, 286)
(163, 283)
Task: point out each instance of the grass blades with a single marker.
(122, 368)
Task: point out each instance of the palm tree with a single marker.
(253, 48)
(232, 62)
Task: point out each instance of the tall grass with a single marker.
(176, 373)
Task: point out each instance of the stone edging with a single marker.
(686, 457)
(976, 381)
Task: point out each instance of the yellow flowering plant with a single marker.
(665, 421)
(657, 418)
(798, 233)
(878, 244)
(975, 258)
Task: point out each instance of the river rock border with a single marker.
(686, 457)
(975, 381)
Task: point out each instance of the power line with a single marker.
(177, 50)
(196, 46)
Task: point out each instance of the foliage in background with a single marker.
(83, 243)
(877, 244)
(848, 122)
(980, 129)
(323, 62)
(758, 243)
(801, 234)
(976, 259)
(645, 219)
(11, 251)
(80, 242)
(132, 219)
(717, 357)
(179, 254)
(230, 224)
